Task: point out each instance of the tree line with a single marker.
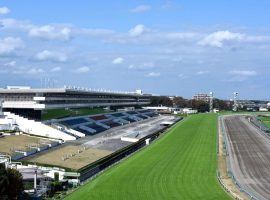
(180, 102)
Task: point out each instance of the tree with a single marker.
(161, 100)
(11, 184)
(180, 102)
(15, 183)
(3, 182)
(199, 105)
(222, 104)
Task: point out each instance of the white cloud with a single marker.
(145, 65)
(202, 72)
(56, 69)
(9, 23)
(4, 10)
(11, 64)
(117, 61)
(218, 38)
(179, 35)
(35, 71)
(10, 44)
(137, 30)
(141, 8)
(51, 32)
(241, 75)
(243, 72)
(153, 74)
(82, 70)
(94, 32)
(51, 56)
(182, 76)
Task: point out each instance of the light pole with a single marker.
(235, 106)
(211, 102)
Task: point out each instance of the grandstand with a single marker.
(30, 103)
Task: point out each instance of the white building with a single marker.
(189, 111)
(262, 109)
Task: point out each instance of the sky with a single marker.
(163, 47)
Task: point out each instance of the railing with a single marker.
(226, 148)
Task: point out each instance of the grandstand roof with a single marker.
(64, 90)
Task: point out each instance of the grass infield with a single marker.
(265, 120)
(180, 165)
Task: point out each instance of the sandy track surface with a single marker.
(249, 154)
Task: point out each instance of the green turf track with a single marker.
(180, 165)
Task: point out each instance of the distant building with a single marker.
(159, 109)
(216, 110)
(201, 97)
(262, 109)
(189, 111)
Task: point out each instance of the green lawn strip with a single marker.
(180, 165)
(60, 113)
(265, 120)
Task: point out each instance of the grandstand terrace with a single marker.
(30, 102)
(93, 124)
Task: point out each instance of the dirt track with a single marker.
(249, 154)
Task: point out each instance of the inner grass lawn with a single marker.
(265, 120)
(180, 165)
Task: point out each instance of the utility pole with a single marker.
(211, 102)
(235, 106)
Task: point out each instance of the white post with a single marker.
(35, 180)
(147, 141)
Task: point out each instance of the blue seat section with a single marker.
(132, 112)
(122, 121)
(143, 111)
(111, 123)
(71, 122)
(129, 119)
(152, 114)
(142, 117)
(96, 127)
(85, 124)
(84, 131)
(118, 115)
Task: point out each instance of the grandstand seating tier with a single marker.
(98, 117)
(71, 122)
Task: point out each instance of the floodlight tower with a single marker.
(235, 106)
(211, 102)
